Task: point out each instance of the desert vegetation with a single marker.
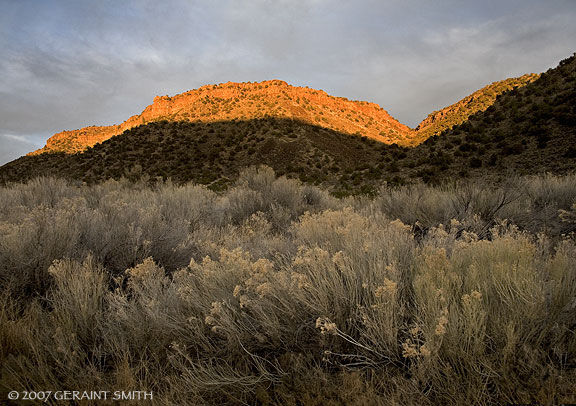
(526, 129)
(213, 154)
(438, 122)
(275, 292)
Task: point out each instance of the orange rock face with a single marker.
(245, 101)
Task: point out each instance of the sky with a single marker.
(67, 64)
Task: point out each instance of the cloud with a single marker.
(67, 64)
(446, 62)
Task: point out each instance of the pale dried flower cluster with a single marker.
(301, 280)
(387, 290)
(468, 298)
(442, 322)
(326, 326)
(410, 349)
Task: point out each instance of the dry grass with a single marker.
(275, 293)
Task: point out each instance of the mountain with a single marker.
(459, 112)
(275, 98)
(519, 126)
(529, 129)
(246, 101)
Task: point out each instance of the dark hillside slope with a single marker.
(528, 130)
(214, 153)
(459, 112)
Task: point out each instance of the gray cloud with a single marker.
(71, 63)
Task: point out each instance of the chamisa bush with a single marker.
(276, 293)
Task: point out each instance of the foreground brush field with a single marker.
(277, 293)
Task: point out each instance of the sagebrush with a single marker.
(275, 293)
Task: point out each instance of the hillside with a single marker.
(530, 129)
(459, 112)
(520, 126)
(247, 101)
(214, 153)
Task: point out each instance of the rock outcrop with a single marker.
(275, 98)
(245, 101)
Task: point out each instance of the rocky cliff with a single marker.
(246, 101)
